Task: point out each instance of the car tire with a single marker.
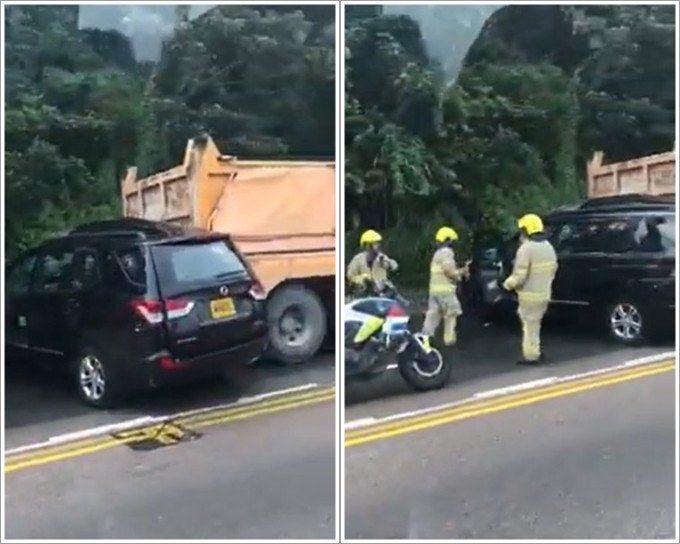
(94, 380)
(626, 322)
(297, 324)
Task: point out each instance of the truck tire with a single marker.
(297, 324)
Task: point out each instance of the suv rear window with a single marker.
(182, 267)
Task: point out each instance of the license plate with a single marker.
(222, 307)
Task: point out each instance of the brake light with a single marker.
(155, 311)
(178, 308)
(396, 311)
(257, 291)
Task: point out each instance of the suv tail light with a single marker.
(256, 290)
(155, 311)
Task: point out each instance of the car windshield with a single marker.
(182, 267)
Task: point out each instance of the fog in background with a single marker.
(145, 25)
(448, 31)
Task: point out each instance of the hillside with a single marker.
(539, 90)
(81, 106)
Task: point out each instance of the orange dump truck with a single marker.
(281, 215)
(651, 175)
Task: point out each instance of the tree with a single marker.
(80, 108)
(541, 88)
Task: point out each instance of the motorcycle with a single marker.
(378, 338)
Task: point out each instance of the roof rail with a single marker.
(628, 200)
(109, 233)
(129, 225)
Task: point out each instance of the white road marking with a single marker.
(515, 388)
(525, 386)
(358, 423)
(151, 420)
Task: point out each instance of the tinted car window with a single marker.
(581, 237)
(18, 280)
(617, 236)
(124, 270)
(132, 263)
(182, 267)
(54, 271)
(86, 269)
(656, 234)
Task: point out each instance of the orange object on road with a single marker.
(281, 215)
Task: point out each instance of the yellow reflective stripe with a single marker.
(360, 277)
(439, 289)
(533, 296)
(543, 266)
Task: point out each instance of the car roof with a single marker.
(615, 206)
(141, 230)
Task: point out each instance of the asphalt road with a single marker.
(599, 463)
(264, 473)
(485, 358)
(40, 405)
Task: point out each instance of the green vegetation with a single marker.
(80, 108)
(539, 91)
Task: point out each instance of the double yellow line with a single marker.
(408, 425)
(51, 454)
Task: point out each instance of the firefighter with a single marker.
(532, 276)
(443, 303)
(369, 268)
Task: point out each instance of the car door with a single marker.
(51, 288)
(577, 243)
(17, 294)
(491, 264)
(87, 308)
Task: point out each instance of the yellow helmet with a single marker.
(531, 223)
(446, 233)
(370, 237)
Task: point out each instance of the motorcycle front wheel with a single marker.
(424, 371)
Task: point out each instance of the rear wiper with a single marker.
(233, 273)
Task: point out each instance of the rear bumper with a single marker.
(162, 369)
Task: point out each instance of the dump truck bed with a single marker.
(650, 175)
(281, 214)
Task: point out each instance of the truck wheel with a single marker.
(297, 324)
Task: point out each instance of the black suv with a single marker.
(616, 262)
(130, 304)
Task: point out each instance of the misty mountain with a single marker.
(146, 25)
(448, 31)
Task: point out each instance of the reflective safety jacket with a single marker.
(444, 273)
(358, 270)
(534, 271)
